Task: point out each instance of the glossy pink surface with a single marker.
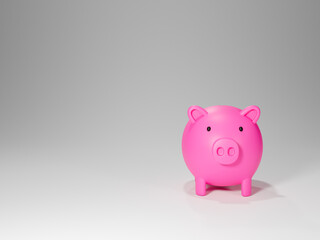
(222, 146)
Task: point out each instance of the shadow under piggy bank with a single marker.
(232, 194)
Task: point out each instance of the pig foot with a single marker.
(200, 186)
(246, 187)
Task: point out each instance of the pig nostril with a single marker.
(220, 151)
(225, 151)
(231, 151)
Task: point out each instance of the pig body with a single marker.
(222, 146)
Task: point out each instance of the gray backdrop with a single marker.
(94, 98)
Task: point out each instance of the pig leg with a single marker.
(246, 187)
(200, 186)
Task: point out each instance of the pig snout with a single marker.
(225, 151)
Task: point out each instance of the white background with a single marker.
(93, 103)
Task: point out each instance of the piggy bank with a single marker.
(222, 146)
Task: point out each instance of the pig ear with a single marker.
(196, 112)
(252, 112)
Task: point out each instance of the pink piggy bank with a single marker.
(222, 146)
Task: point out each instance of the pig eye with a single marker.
(208, 129)
(240, 129)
